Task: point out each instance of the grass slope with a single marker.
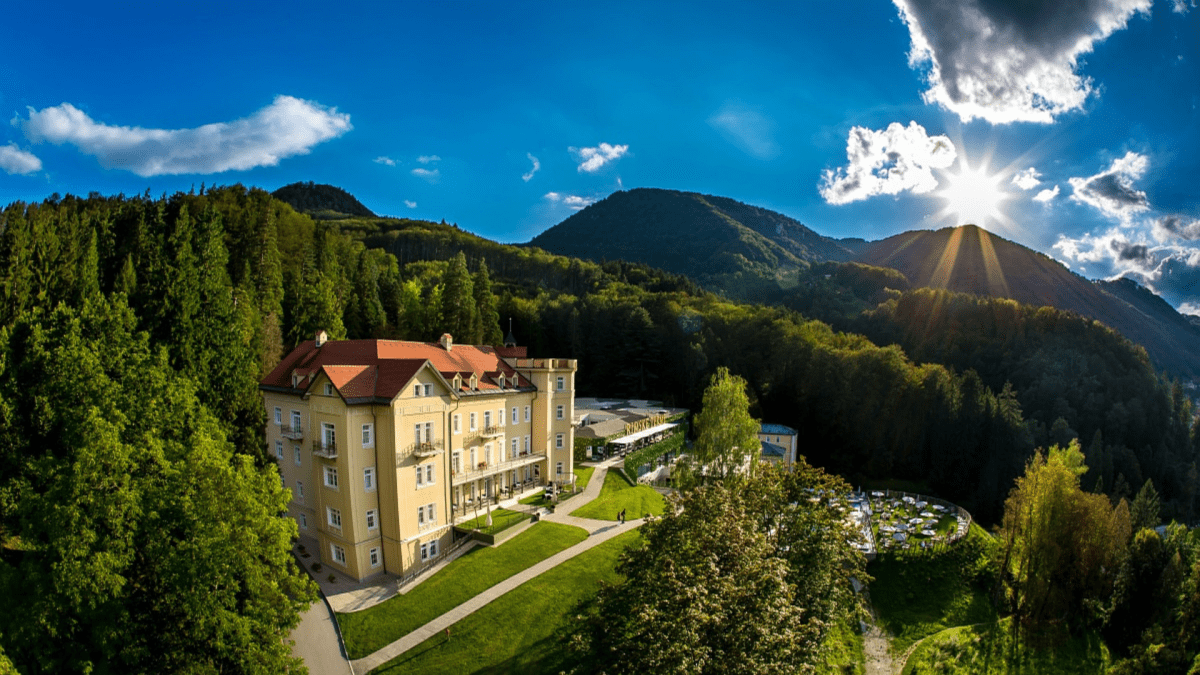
(488, 641)
(502, 519)
(921, 594)
(618, 494)
(845, 655)
(994, 649)
(479, 569)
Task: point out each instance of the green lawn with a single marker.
(583, 474)
(993, 649)
(502, 519)
(845, 655)
(488, 640)
(916, 595)
(618, 494)
(479, 569)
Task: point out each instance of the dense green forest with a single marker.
(209, 290)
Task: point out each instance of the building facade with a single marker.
(385, 444)
(778, 444)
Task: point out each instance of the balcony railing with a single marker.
(326, 450)
(293, 432)
(489, 468)
(426, 448)
(492, 431)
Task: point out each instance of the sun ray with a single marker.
(945, 266)
(997, 283)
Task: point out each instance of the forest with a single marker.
(143, 324)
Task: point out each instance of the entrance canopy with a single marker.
(645, 433)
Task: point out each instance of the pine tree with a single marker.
(487, 318)
(458, 302)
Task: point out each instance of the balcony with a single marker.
(490, 468)
(295, 433)
(492, 432)
(326, 450)
(425, 449)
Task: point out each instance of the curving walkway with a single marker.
(599, 531)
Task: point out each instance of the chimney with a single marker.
(322, 337)
(447, 342)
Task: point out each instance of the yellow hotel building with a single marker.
(385, 444)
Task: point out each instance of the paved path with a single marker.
(315, 641)
(599, 531)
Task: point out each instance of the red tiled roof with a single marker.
(381, 368)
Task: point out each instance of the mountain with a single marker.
(321, 201)
(969, 259)
(720, 242)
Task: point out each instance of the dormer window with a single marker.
(474, 382)
(328, 389)
(457, 381)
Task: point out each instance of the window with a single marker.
(417, 390)
(526, 413)
(429, 390)
(278, 416)
(487, 419)
(432, 509)
(373, 520)
(473, 457)
(500, 417)
(457, 458)
(527, 444)
(558, 469)
(433, 549)
(295, 421)
(429, 432)
(424, 552)
(420, 477)
(472, 421)
(279, 449)
(426, 516)
(561, 383)
(300, 490)
(455, 420)
(328, 389)
(558, 413)
(331, 476)
(334, 516)
(515, 417)
(368, 435)
(429, 474)
(296, 453)
(515, 447)
(303, 521)
(373, 555)
(328, 434)
(339, 554)
(487, 453)
(369, 479)
(558, 440)
(420, 516)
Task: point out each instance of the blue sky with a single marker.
(856, 118)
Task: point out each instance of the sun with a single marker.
(973, 196)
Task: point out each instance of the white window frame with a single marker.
(457, 423)
(369, 479)
(429, 390)
(472, 418)
(279, 449)
(300, 490)
(373, 519)
(331, 477)
(558, 469)
(368, 435)
(421, 517)
(561, 383)
(500, 417)
(516, 447)
(278, 415)
(516, 417)
(527, 445)
(433, 549)
(487, 418)
(416, 390)
(303, 521)
(526, 413)
(338, 554)
(558, 441)
(297, 454)
(296, 421)
(374, 557)
(487, 454)
(328, 389)
(456, 458)
(430, 473)
(420, 477)
(333, 517)
(424, 552)
(432, 509)
(558, 412)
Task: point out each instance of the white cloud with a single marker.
(1027, 179)
(747, 129)
(426, 159)
(410, 203)
(15, 160)
(536, 165)
(887, 162)
(430, 175)
(1111, 191)
(594, 158)
(1192, 308)
(574, 201)
(1175, 228)
(384, 159)
(1046, 195)
(288, 127)
(1182, 6)
(1009, 62)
